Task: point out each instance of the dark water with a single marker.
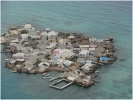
(95, 19)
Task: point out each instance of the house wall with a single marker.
(52, 40)
(85, 48)
(63, 57)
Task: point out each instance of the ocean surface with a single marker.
(92, 18)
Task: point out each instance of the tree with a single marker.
(68, 34)
(37, 62)
(23, 32)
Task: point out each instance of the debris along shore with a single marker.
(32, 51)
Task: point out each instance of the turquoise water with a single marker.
(95, 19)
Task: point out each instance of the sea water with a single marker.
(92, 18)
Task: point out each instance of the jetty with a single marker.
(74, 55)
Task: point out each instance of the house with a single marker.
(47, 30)
(51, 46)
(71, 37)
(100, 40)
(34, 43)
(44, 64)
(67, 63)
(92, 40)
(29, 27)
(63, 41)
(19, 55)
(86, 67)
(32, 34)
(20, 61)
(13, 62)
(76, 50)
(84, 53)
(18, 48)
(45, 34)
(52, 35)
(13, 32)
(35, 37)
(92, 45)
(14, 41)
(84, 47)
(61, 46)
(56, 51)
(68, 54)
(24, 36)
(91, 51)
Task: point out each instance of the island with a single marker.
(76, 56)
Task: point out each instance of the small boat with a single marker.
(13, 71)
(122, 59)
(44, 73)
(96, 71)
(47, 75)
(8, 53)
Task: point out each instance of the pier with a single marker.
(60, 88)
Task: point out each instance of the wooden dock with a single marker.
(60, 88)
(54, 78)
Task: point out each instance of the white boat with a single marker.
(44, 73)
(96, 71)
(13, 71)
(47, 75)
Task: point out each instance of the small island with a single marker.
(76, 56)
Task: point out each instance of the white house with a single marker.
(84, 53)
(84, 47)
(44, 34)
(24, 36)
(29, 27)
(51, 46)
(67, 63)
(52, 36)
(35, 37)
(92, 40)
(63, 41)
(86, 67)
(19, 55)
(14, 41)
(71, 37)
(68, 54)
(91, 51)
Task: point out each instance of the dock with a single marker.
(54, 78)
(60, 88)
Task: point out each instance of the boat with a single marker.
(96, 71)
(47, 75)
(122, 59)
(44, 73)
(13, 71)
